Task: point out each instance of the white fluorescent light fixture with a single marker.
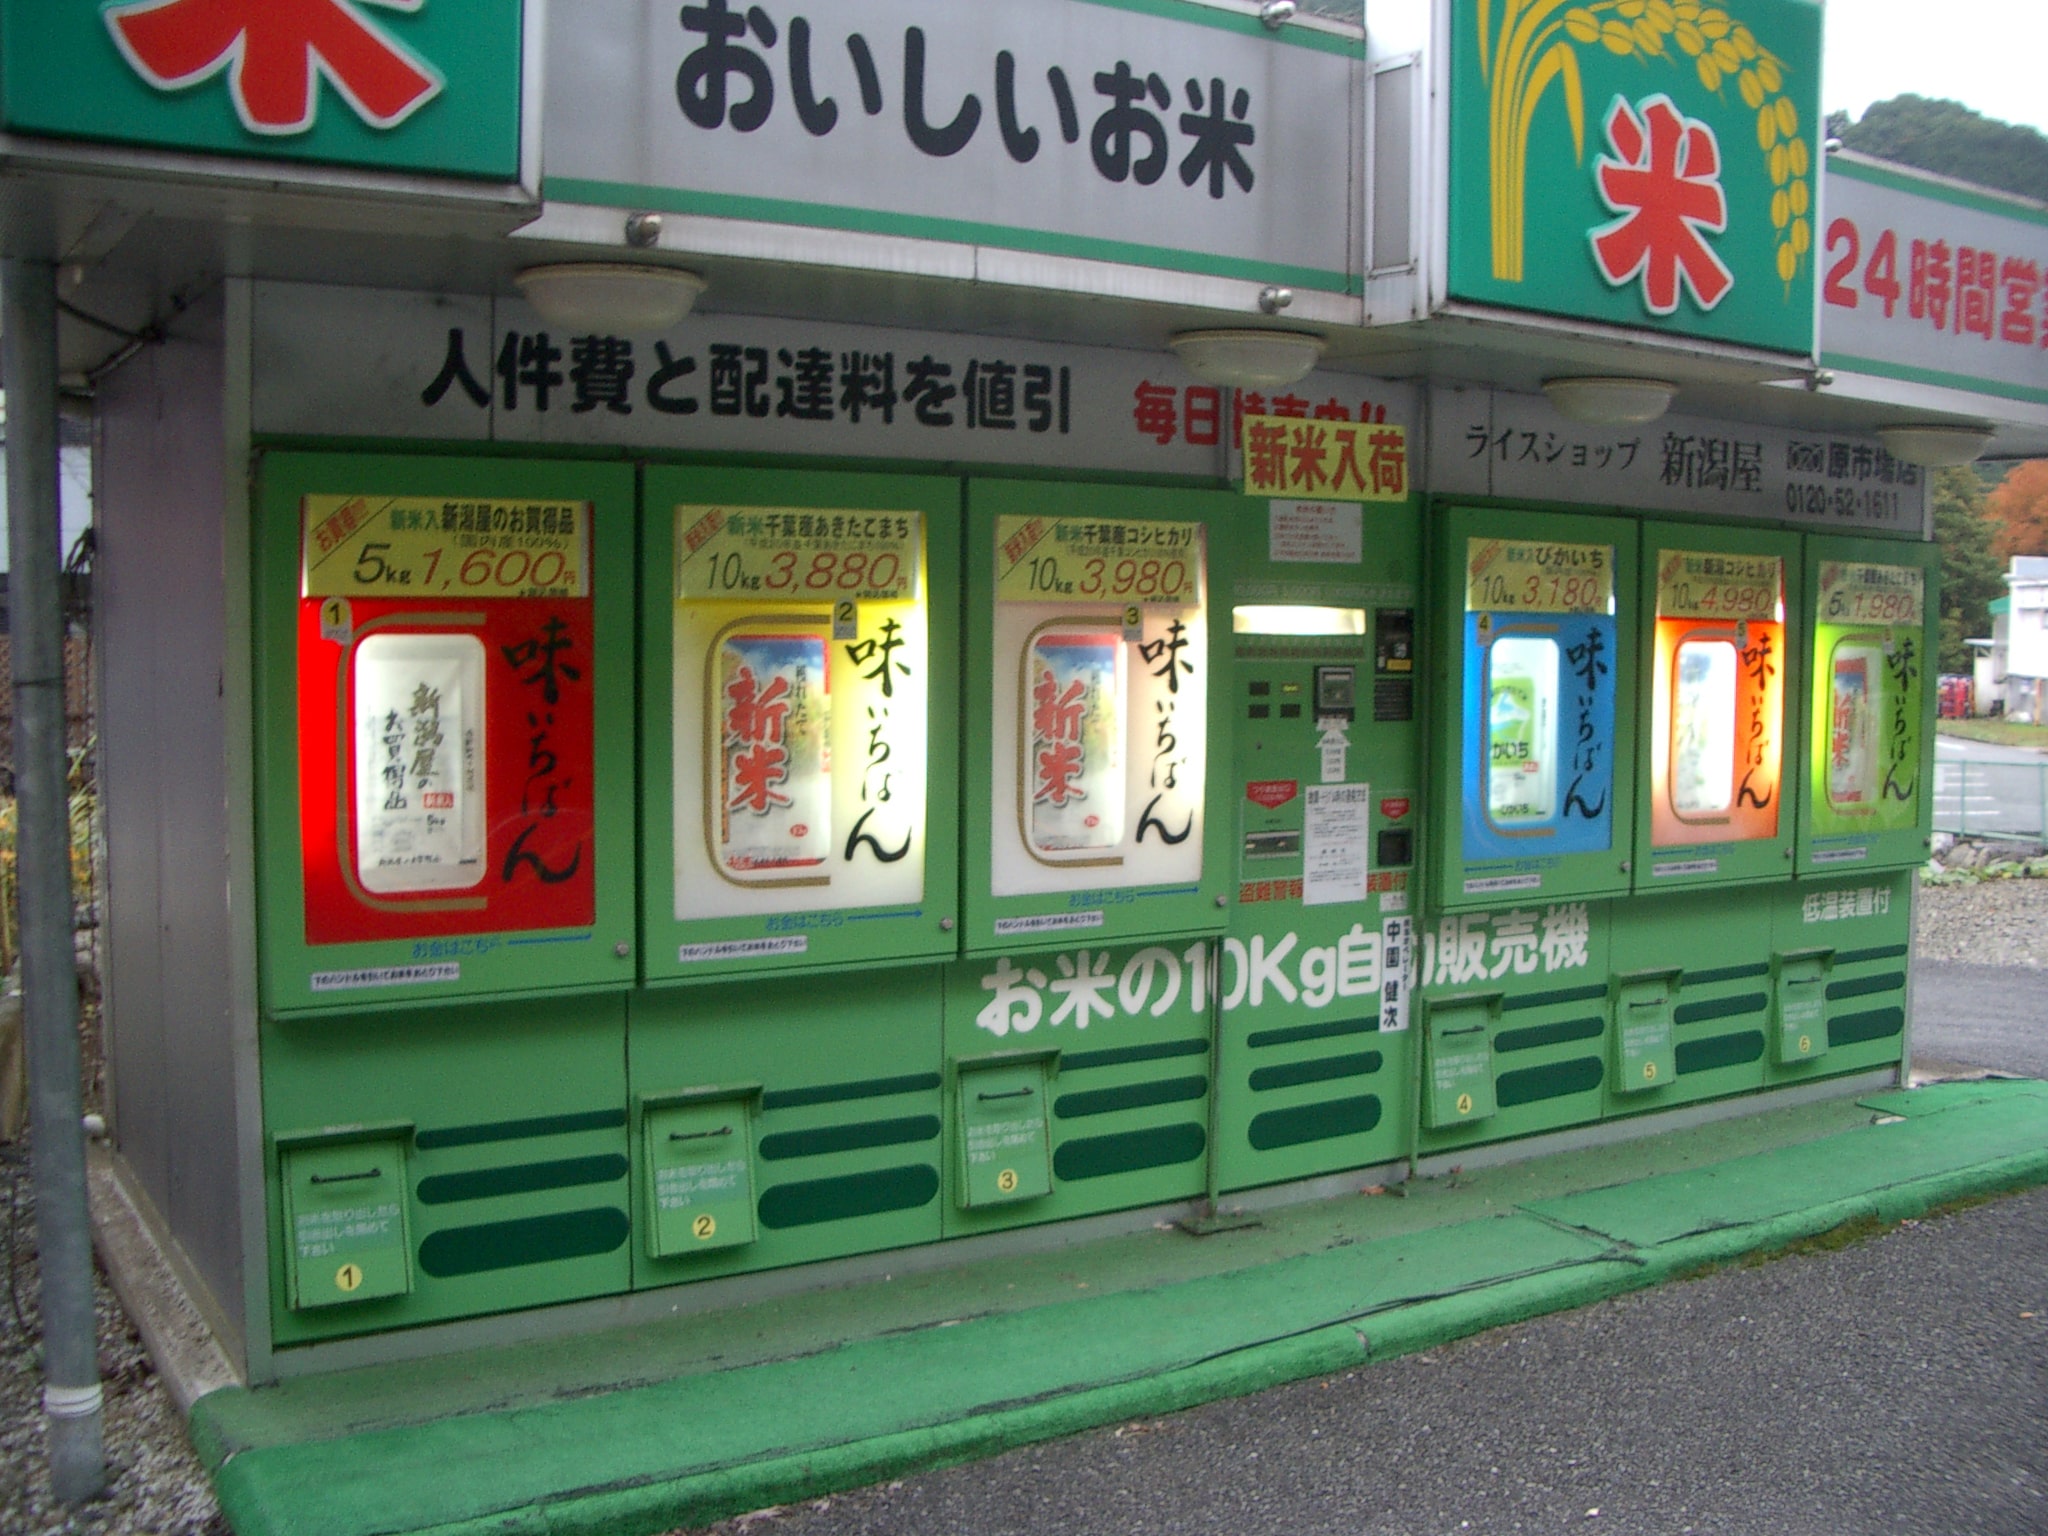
(1295, 619)
(615, 297)
(1607, 401)
(1935, 445)
(1248, 359)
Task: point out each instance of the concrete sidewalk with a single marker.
(685, 1421)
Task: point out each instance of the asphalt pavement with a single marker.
(1981, 1017)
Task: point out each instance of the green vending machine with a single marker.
(1315, 1059)
(444, 771)
(1531, 821)
(1095, 850)
(799, 877)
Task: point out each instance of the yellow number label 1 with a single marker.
(348, 1277)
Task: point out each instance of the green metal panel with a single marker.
(1717, 781)
(846, 1132)
(1550, 964)
(1130, 1106)
(517, 1165)
(1720, 1001)
(1005, 1140)
(1092, 809)
(1534, 670)
(697, 1158)
(1315, 1048)
(1866, 920)
(345, 1203)
(883, 886)
(425, 953)
(1868, 724)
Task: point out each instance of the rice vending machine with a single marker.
(1532, 817)
(1094, 854)
(444, 739)
(799, 884)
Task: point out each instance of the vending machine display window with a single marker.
(1870, 741)
(1090, 614)
(1538, 795)
(790, 766)
(444, 702)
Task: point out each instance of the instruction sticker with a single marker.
(1336, 827)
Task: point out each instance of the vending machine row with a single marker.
(674, 871)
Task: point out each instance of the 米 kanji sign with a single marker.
(1933, 283)
(420, 86)
(1180, 136)
(1647, 163)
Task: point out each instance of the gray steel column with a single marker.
(71, 1383)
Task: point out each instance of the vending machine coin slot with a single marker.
(1645, 1055)
(1336, 693)
(1458, 1076)
(698, 1169)
(347, 1234)
(1799, 1005)
(1005, 1133)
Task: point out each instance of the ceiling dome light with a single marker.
(1609, 401)
(1248, 359)
(1935, 445)
(610, 296)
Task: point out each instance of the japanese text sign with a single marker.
(1116, 131)
(416, 86)
(797, 554)
(446, 717)
(1692, 585)
(1648, 163)
(1054, 559)
(419, 546)
(1328, 460)
(1933, 283)
(1529, 576)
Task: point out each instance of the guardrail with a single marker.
(1996, 800)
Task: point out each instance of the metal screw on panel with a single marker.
(945, 925)
(622, 950)
(643, 230)
(1273, 299)
(1219, 901)
(1277, 13)
(1788, 853)
(1625, 866)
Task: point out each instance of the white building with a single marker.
(2013, 665)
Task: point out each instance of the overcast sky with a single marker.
(1987, 54)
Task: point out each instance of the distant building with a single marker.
(2012, 665)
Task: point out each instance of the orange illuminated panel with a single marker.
(1718, 698)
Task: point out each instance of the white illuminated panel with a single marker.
(418, 712)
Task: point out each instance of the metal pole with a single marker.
(49, 985)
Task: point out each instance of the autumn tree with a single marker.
(1972, 572)
(2020, 506)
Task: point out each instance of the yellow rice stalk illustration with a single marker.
(1533, 49)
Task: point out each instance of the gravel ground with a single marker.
(156, 1487)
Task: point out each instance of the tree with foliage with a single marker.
(1972, 574)
(2020, 507)
(1950, 139)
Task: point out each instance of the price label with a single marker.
(1056, 560)
(432, 546)
(1852, 593)
(1526, 576)
(796, 554)
(1733, 588)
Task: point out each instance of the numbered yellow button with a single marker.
(704, 1227)
(1649, 1071)
(1006, 1181)
(348, 1277)
(1464, 1103)
(1805, 1044)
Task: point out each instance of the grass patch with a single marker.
(2001, 733)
